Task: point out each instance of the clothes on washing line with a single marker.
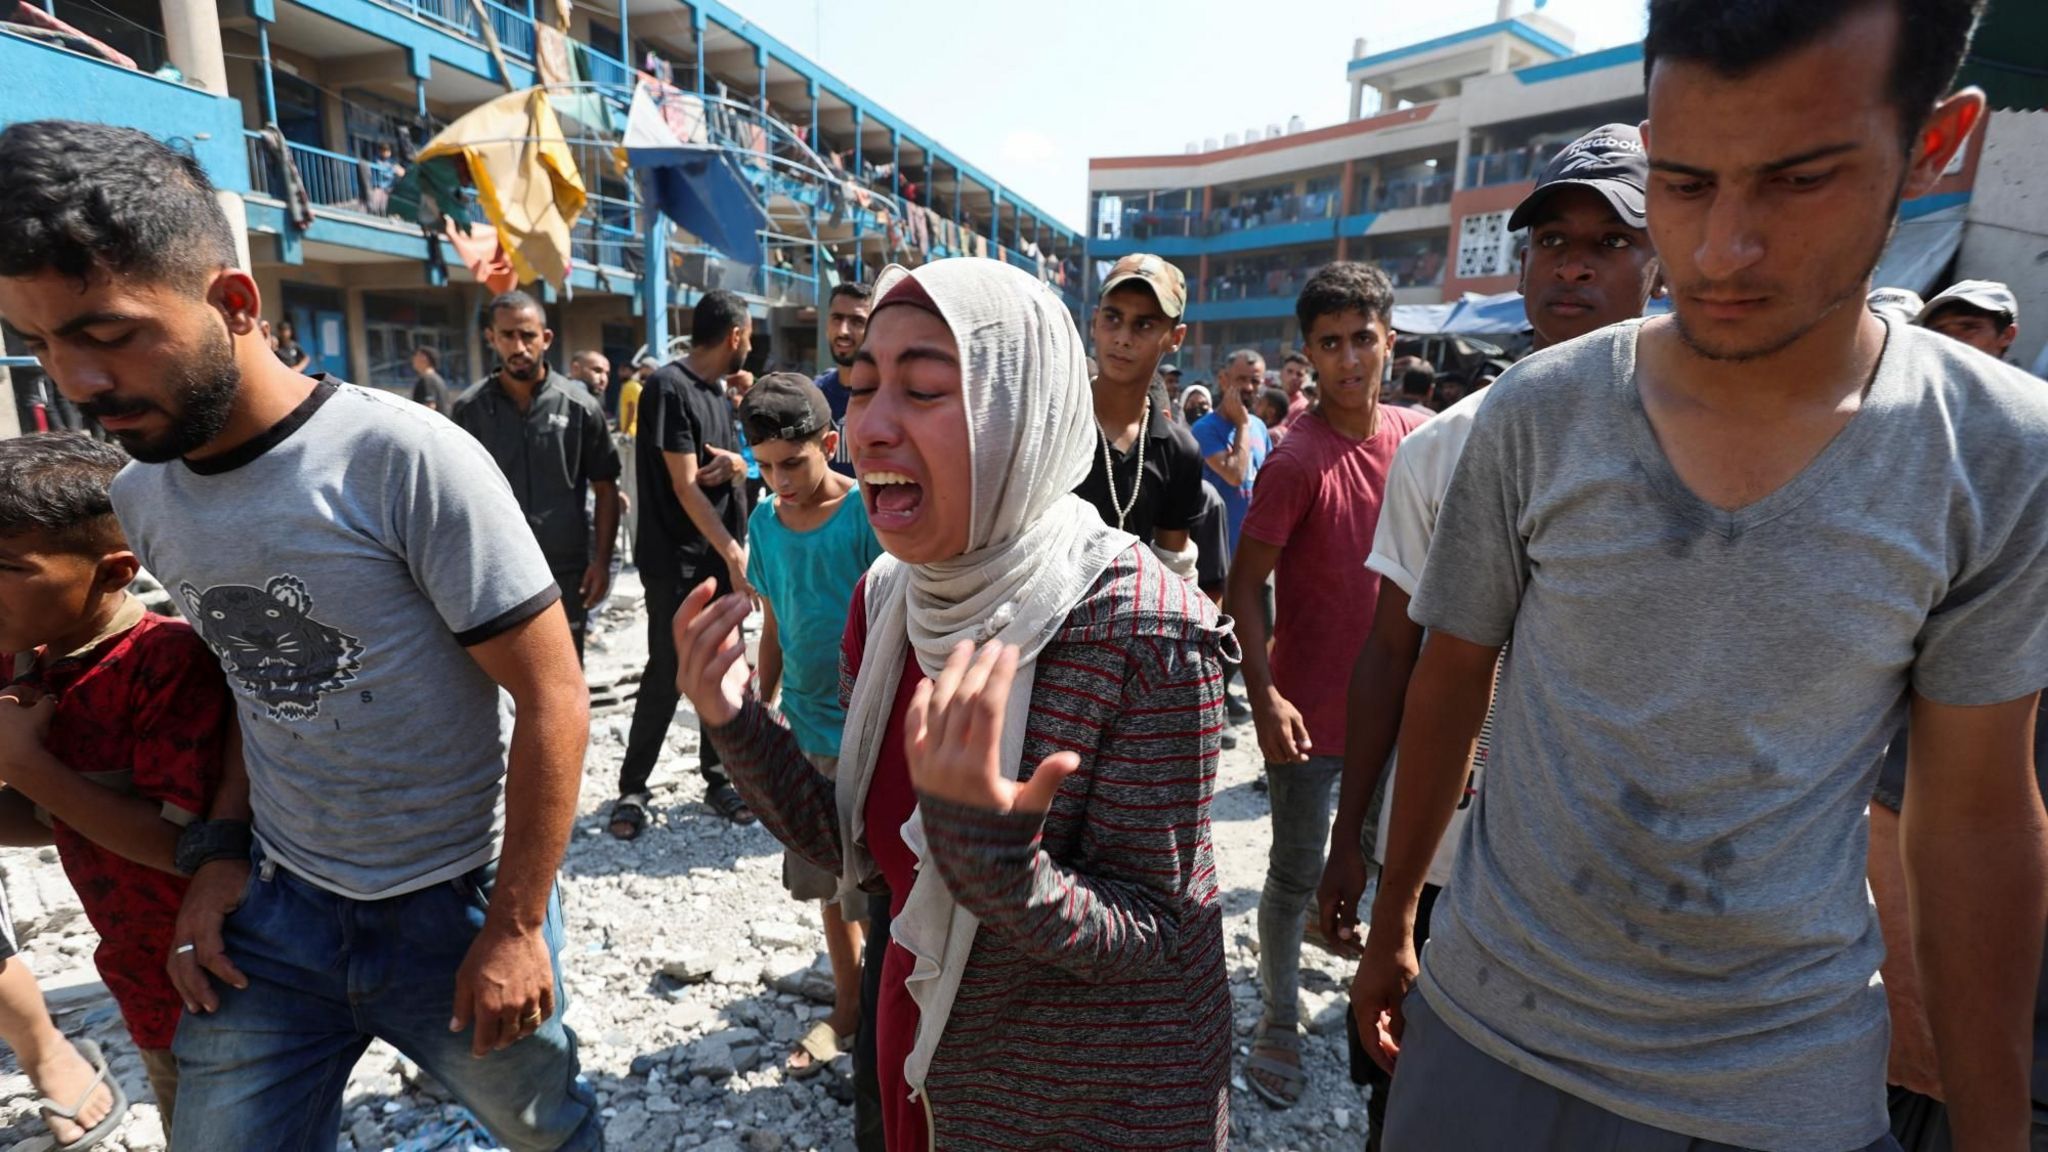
(298, 207)
(525, 176)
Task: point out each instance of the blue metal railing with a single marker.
(514, 29)
(456, 15)
(331, 180)
(601, 69)
(608, 234)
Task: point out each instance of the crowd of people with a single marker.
(1592, 699)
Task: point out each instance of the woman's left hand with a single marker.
(953, 735)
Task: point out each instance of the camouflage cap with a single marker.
(1163, 278)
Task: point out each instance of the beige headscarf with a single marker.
(1034, 550)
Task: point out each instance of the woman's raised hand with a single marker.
(953, 736)
(711, 657)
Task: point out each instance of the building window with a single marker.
(1485, 246)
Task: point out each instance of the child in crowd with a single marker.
(810, 546)
(112, 738)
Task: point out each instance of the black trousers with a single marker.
(655, 708)
(867, 1079)
(1363, 1068)
(572, 605)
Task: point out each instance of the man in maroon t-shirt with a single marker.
(1310, 526)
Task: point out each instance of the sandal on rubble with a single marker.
(820, 1045)
(117, 1109)
(1293, 1081)
(629, 814)
(727, 801)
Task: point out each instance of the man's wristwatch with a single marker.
(204, 841)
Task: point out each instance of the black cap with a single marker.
(1610, 160)
(784, 406)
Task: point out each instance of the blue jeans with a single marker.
(326, 975)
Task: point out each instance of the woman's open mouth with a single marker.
(893, 499)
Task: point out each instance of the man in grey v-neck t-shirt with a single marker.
(1660, 903)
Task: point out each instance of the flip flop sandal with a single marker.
(1293, 1080)
(117, 1111)
(630, 811)
(821, 1044)
(730, 804)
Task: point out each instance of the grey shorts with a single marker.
(1448, 1096)
(803, 879)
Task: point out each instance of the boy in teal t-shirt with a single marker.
(808, 548)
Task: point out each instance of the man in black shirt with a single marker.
(549, 438)
(1147, 479)
(687, 463)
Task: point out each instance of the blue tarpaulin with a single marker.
(1469, 315)
(694, 184)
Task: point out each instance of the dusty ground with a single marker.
(690, 1063)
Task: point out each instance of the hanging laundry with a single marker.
(525, 177)
(480, 252)
(35, 17)
(693, 184)
(427, 194)
(291, 188)
(551, 57)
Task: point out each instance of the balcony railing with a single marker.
(331, 180)
(514, 29)
(1419, 192)
(1425, 270)
(607, 235)
(1510, 167)
(1283, 283)
(1266, 211)
(601, 69)
(1141, 223)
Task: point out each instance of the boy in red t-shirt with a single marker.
(112, 732)
(1310, 527)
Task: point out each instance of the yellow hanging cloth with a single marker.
(525, 177)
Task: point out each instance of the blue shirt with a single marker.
(835, 398)
(1215, 434)
(807, 579)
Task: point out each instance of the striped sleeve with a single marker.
(794, 800)
(1130, 827)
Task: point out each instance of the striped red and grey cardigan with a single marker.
(1095, 1009)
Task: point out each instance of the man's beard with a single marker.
(533, 371)
(844, 359)
(739, 361)
(202, 393)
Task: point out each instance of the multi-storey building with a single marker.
(1444, 138)
(845, 184)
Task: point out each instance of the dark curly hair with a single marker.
(1736, 37)
(76, 197)
(1347, 286)
(60, 484)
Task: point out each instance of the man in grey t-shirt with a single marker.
(365, 576)
(1732, 548)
